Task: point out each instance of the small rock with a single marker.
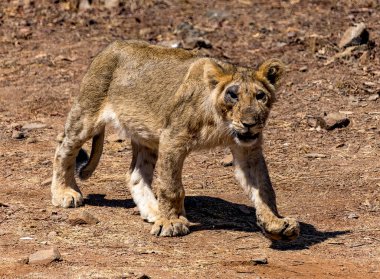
(110, 4)
(335, 120)
(259, 261)
(23, 260)
(373, 97)
(171, 44)
(52, 234)
(15, 126)
(363, 59)
(218, 15)
(356, 35)
(144, 276)
(196, 42)
(26, 238)
(18, 135)
(352, 215)
(145, 31)
(227, 161)
(31, 140)
(45, 256)
(315, 155)
(313, 122)
(33, 126)
(81, 218)
(304, 69)
(24, 33)
(339, 145)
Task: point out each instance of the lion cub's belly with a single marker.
(132, 124)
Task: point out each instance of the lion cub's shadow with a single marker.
(210, 213)
(217, 214)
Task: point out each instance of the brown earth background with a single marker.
(328, 179)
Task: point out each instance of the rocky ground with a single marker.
(322, 142)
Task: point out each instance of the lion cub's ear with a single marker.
(271, 70)
(214, 73)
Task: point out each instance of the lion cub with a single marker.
(171, 102)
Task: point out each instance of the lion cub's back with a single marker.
(147, 75)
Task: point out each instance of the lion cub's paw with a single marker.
(286, 229)
(171, 227)
(67, 198)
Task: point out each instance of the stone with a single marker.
(315, 155)
(355, 35)
(258, 261)
(52, 234)
(81, 218)
(335, 120)
(18, 135)
(196, 42)
(33, 126)
(304, 69)
(31, 140)
(45, 256)
(23, 260)
(110, 4)
(373, 97)
(171, 44)
(352, 215)
(145, 31)
(227, 161)
(313, 122)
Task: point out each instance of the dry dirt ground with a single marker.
(45, 49)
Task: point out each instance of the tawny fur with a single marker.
(171, 102)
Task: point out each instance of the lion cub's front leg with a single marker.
(171, 194)
(252, 173)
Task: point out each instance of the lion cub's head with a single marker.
(243, 97)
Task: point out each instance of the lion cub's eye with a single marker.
(231, 94)
(261, 96)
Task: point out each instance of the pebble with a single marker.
(52, 234)
(45, 256)
(373, 97)
(33, 126)
(335, 120)
(304, 69)
(352, 215)
(18, 135)
(171, 44)
(356, 35)
(82, 217)
(315, 155)
(259, 261)
(31, 140)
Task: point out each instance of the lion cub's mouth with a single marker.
(247, 137)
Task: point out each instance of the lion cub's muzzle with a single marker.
(247, 137)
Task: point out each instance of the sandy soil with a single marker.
(44, 52)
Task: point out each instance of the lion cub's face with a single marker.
(244, 97)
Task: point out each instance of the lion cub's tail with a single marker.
(85, 166)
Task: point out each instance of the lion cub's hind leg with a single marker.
(78, 129)
(140, 178)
